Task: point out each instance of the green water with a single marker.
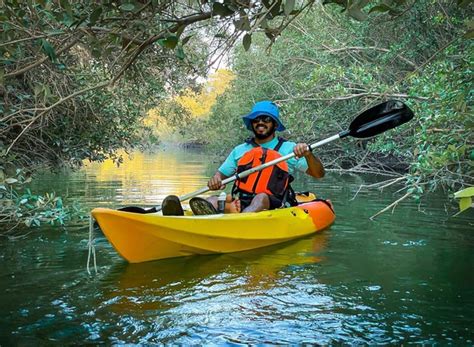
(405, 278)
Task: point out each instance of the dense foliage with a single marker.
(325, 69)
(78, 77)
(170, 118)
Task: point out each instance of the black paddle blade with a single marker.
(380, 118)
(136, 209)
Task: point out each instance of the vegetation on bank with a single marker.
(167, 118)
(324, 70)
(78, 78)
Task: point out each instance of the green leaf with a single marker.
(221, 9)
(180, 53)
(68, 20)
(465, 193)
(242, 24)
(59, 202)
(342, 3)
(95, 15)
(469, 34)
(381, 8)
(289, 7)
(67, 6)
(127, 7)
(186, 39)
(264, 23)
(465, 199)
(48, 49)
(247, 41)
(355, 12)
(11, 180)
(464, 204)
(180, 30)
(169, 42)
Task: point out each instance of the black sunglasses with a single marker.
(265, 119)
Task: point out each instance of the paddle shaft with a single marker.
(257, 168)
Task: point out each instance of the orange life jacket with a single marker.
(272, 180)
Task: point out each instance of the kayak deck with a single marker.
(145, 237)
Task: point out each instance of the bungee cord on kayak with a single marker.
(91, 247)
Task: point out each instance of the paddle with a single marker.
(371, 122)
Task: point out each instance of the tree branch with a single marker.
(41, 61)
(393, 204)
(46, 110)
(161, 35)
(353, 96)
(30, 38)
(385, 50)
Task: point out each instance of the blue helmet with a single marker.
(266, 108)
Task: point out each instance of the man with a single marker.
(263, 121)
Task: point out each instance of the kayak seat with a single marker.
(302, 197)
(171, 206)
(136, 209)
(201, 206)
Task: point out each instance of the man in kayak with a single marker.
(263, 121)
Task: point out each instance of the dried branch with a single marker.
(392, 205)
(14, 42)
(46, 110)
(354, 96)
(352, 49)
(41, 61)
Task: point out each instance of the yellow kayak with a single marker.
(144, 237)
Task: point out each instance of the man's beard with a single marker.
(271, 130)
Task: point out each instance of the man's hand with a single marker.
(301, 150)
(215, 183)
(315, 167)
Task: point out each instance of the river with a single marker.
(407, 277)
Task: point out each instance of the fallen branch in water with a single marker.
(392, 205)
(379, 185)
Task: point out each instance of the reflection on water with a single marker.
(149, 178)
(407, 277)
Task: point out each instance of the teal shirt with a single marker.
(229, 166)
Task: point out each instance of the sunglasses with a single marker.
(265, 119)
